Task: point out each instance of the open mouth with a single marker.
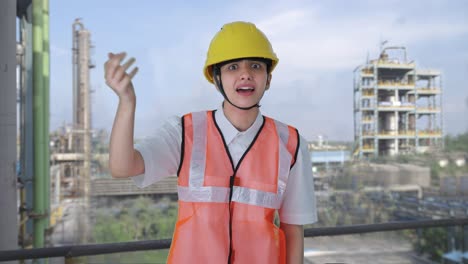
(245, 90)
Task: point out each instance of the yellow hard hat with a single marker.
(238, 40)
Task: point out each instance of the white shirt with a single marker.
(161, 155)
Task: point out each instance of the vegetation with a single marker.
(432, 242)
(138, 219)
(458, 143)
(351, 209)
(453, 144)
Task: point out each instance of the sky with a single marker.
(319, 44)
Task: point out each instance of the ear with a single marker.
(268, 82)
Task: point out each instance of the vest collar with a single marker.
(230, 132)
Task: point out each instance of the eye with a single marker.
(256, 65)
(232, 67)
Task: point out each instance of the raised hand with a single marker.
(124, 160)
(117, 77)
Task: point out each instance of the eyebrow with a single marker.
(249, 60)
(229, 63)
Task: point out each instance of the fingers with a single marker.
(119, 74)
(128, 77)
(128, 63)
(133, 73)
(114, 71)
(118, 57)
(121, 71)
(113, 64)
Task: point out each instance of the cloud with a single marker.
(303, 40)
(281, 24)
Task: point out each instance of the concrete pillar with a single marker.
(8, 201)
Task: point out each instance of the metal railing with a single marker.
(99, 249)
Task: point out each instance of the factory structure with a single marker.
(71, 154)
(71, 147)
(397, 106)
(57, 165)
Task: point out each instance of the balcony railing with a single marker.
(428, 91)
(410, 133)
(368, 148)
(367, 72)
(394, 64)
(99, 249)
(403, 133)
(367, 93)
(428, 110)
(391, 83)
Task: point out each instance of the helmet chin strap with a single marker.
(217, 79)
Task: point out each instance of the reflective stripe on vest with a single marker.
(196, 192)
(198, 159)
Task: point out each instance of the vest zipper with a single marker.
(231, 188)
(234, 168)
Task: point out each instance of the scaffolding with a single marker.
(397, 106)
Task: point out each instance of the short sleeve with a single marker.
(299, 203)
(161, 153)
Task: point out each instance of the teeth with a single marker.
(245, 88)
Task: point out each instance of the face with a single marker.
(245, 81)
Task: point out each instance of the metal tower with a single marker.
(82, 101)
(397, 107)
(82, 108)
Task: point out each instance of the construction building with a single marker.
(397, 106)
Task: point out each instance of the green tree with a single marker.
(138, 219)
(457, 143)
(432, 242)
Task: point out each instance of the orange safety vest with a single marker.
(226, 213)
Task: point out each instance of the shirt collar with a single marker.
(230, 132)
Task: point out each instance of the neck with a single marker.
(240, 119)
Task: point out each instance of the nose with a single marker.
(245, 73)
